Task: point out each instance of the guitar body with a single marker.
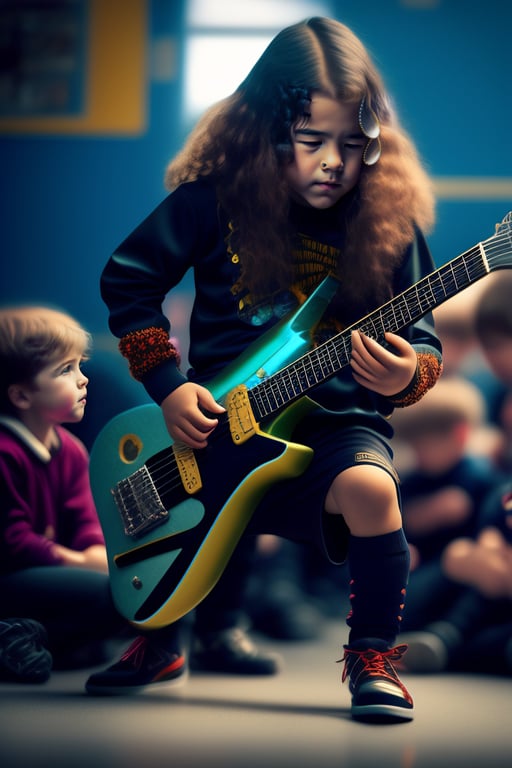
(158, 577)
(160, 573)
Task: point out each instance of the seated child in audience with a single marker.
(485, 563)
(475, 633)
(455, 326)
(455, 322)
(493, 328)
(442, 490)
(492, 553)
(53, 564)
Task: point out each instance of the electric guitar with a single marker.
(172, 516)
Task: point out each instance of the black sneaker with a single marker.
(378, 694)
(232, 652)
(143, 664)
(24, 657)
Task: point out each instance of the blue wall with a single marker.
(67, 201)
(448, 65)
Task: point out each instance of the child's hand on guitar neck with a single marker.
(379, 369)
(185, 410)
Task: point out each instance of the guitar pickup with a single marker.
(242, 423)
(138, 503)
(187, 467)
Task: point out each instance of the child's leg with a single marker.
(378, 567)
(219, 640)
(74, 605)
(378, 555)
(378, 561)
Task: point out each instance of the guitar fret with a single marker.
(440, 290)
(267, 403)
(278, 392)
(395, 325)
(342, 356)
(330, 365)
(427, 299)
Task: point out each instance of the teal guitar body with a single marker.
(172, 516)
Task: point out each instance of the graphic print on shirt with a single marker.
(313, 261)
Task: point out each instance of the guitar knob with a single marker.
(136, 583)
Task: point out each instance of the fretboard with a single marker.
(318, 365)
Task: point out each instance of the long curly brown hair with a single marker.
(244, 140)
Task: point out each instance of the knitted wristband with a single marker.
(427, 373)
(145, 349)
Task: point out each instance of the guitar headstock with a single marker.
(498, 248)
(506, 224)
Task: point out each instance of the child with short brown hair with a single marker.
(53, 566)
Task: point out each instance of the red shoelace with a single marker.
(378, 664)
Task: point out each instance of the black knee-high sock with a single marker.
(379, 570)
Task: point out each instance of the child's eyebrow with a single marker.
(65, 361)
(310, 132)
(316, 133)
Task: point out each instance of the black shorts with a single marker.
(294, 509)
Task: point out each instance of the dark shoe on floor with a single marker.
(231, 651)
(378, 695)
(294, 620)
(24, 657)
(143, 664)
(426, 652)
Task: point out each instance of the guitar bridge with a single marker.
(139, 504)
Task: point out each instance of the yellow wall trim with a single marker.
(473, 188)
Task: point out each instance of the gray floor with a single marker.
(299, 718)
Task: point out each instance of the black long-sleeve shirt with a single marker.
(189, 230)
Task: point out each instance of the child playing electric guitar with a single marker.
(303, 172)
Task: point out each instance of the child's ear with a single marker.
(19, 396)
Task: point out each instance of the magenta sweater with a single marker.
(43, 498)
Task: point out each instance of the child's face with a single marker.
(328, 153)
(438, 451)
(58, 394)
(498, 353)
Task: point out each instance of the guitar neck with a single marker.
(318, 365)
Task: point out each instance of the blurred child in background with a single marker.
(442, 491)
(53, 564)
(474, 633)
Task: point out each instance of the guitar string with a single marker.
(414, 296)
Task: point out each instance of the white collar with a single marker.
(28, 437)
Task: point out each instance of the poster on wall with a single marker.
(42, 55)
(73, 66)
